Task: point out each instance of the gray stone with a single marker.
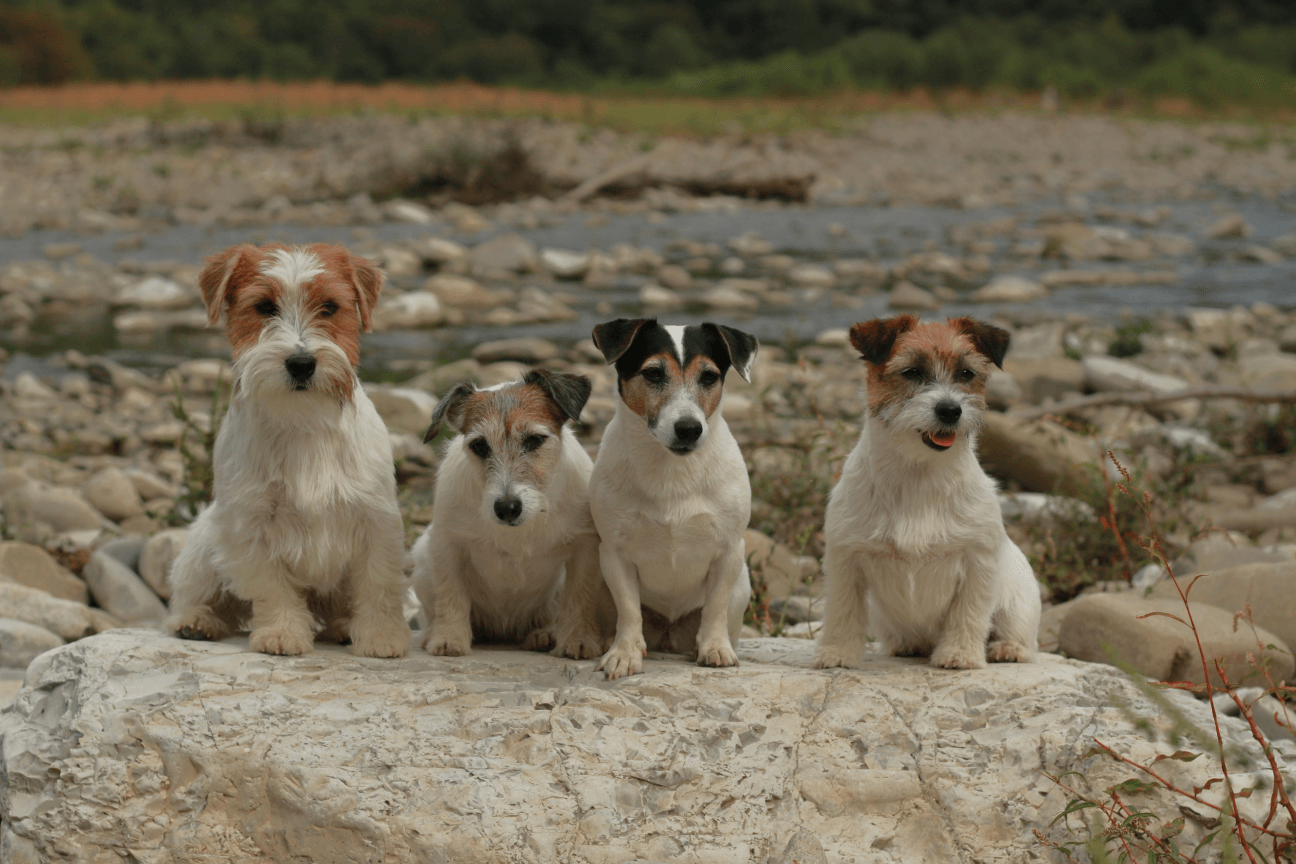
(728, 299)
(113, 494)
(1217, 551)
(127, 550)
(438, 250)
(1035, 453)
(202, 751)
(564, 263)
(70, 620)
(26, 564)
(1002, 390)
(1107, 628)
(34, 509)
(675, 277)
(1269, 589)
(408, 311)
(118, 589)
(20, 642)
(812, 276)
(1046, 377)
(1230, 225)
(409, 211)
(156, 292)
(1114, 374)
(1009, 289)
(403, 409)
(908, 296)
(507, 252)
(652, 294)
(462, 292)
(805, 848)
(517, 350)
(796, 609)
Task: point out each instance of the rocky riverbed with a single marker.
(1131, 261)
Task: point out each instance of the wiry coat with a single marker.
(915, 547)
(304, 532)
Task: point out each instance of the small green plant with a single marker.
(197, 487)
(1126, 832)
(1126, 342)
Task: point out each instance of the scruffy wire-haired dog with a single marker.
(512, 554)
(914, 541)
(304, 532)
(670, 493)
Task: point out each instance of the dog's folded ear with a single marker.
(875, 339)
(449, 411)
(986, 338)
(214, 281)
(368, 284)
(741, 347)
(568, 393)
(614, 338)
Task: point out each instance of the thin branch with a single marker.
(1145, 398)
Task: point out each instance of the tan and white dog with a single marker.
(512, 554)
(303, 533)
(915, 546)
(670, 493)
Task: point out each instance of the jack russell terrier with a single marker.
(303, 538)
(914, 541)
(512, 553)
(670, 494)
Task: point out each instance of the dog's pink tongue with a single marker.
(944, 439)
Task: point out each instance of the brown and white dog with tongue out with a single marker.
(915, 547)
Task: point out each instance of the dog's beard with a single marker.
(916, 418)
(500, 483)
(261, 375)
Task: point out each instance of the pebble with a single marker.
(403, 409)
(518, 350)
(68, 619)
(565, 264)
(113, 494)
(408, 311)
(652, 294)
(505, 253)
(156, 292)
(674, 277)
(20, 642)
(1009, 289)
(30, 565)
(1232, 225)
(58, 508)
(908, 296)
(728, 299)
(118, 589)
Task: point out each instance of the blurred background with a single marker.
(1204, 50)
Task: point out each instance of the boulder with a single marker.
(203, 751)
(518, 350)
(507, 252)
(20, 642)
(25, 564)
(1268, 588)
(403, 409)
(1106, 628)
(1035, 453)
(118, 589)
(68, 619)
(34, 509)
(113, 494)
(1216, 551)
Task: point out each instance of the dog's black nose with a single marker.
(508, 508)
(688, 430)
(301, 367)
(948, 412)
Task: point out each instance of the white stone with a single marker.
(121, 591)
(403, 409)
(438, 250)
(1009, 289)
(836, 337)
(1113, 374)
(1030, 507)
(811, 275)
(156, 292)
(906, 295)
(28, 386)
(198, 751)
(653, 294)
(156, 558)
(408, 211)
(415, 309)
(20, 642)
(728, 299)
(69, 619)
(564, 263)
(113, 494)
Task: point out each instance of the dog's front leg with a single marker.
(281, 621)
(625, 657)
(583, 596)
(378, 628)
(844, 637)
(962, 643)
(713, 645)
(450, 630)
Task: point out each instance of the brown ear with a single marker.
(875, 339)
(986, 338)
(615, 337)
(368, 284)
(215, 277)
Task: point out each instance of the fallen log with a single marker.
(1145, 398)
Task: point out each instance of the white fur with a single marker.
(915, 547)
(305, 501)
(476, 575)
(671, 530)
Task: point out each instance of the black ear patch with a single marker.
(990, 340)
(615, 337)
(567, 392)
(740, 346)
(875, 339)
(449, 410)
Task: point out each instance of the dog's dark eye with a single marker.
(913, 374)
(480, 448)
(709, 378)
(533, 442)
(654, 375)
(329, 309)
(966, 375)
(266, 308)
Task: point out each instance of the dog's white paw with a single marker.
(384, 642)
(269, 641)
(717, 654)
(539, 639)
(957, 657)
(199, 623)
(1008, 652)
(830, 656)
(623, 660)
(445, 646)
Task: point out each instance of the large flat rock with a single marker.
(131, 745)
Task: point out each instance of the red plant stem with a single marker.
(1280, 792)
(1114, 818)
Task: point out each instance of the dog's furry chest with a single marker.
(672, 557)
(520, 576)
